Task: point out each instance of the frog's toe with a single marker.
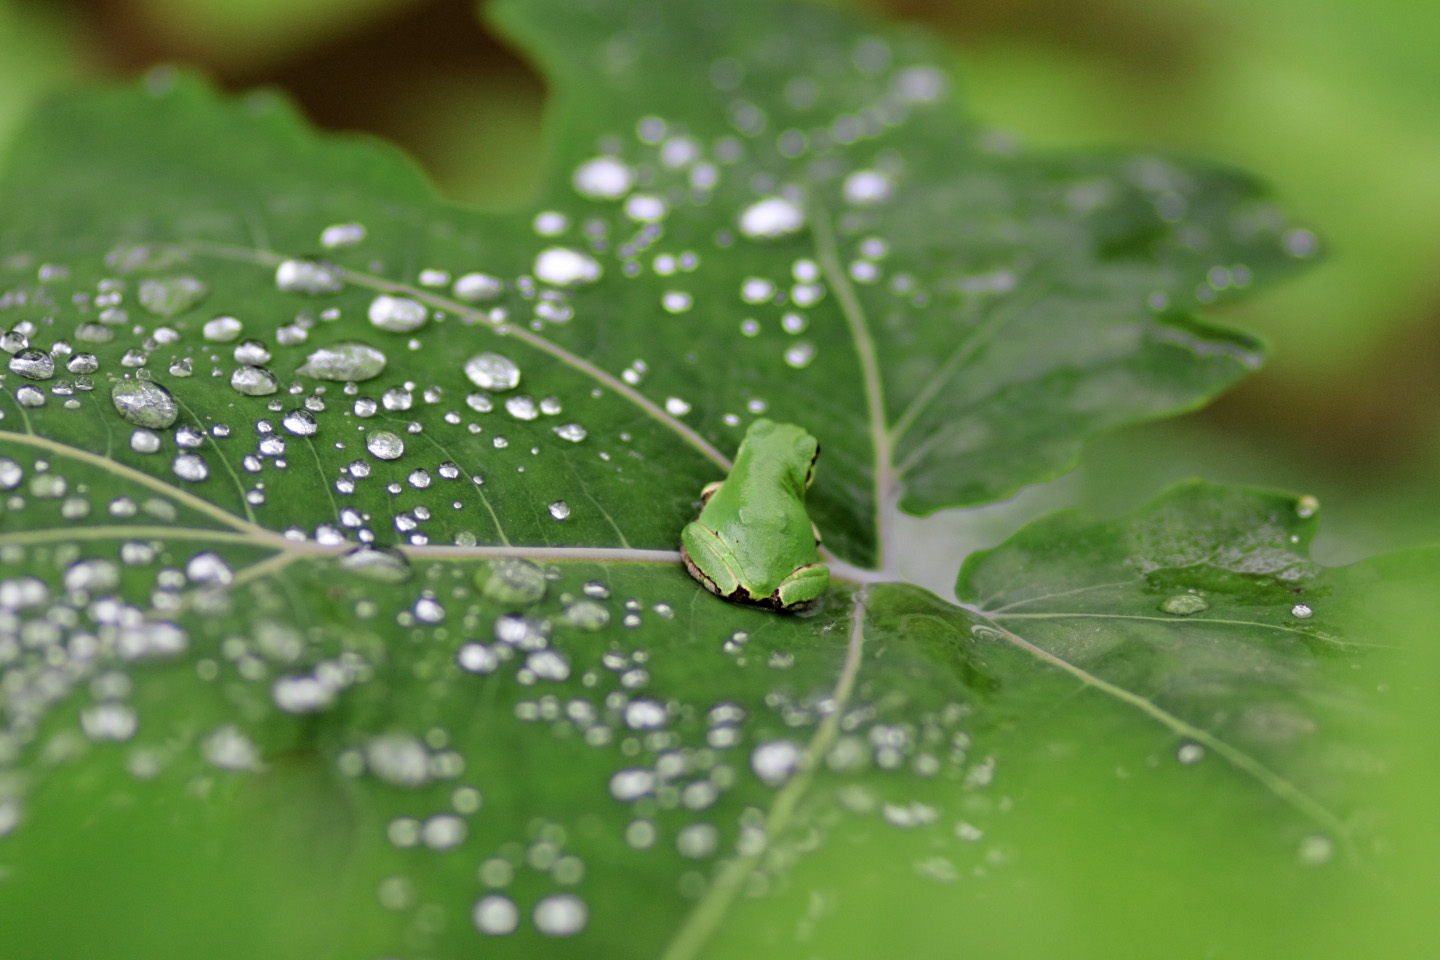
(802, 586)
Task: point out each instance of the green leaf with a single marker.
(338, 546)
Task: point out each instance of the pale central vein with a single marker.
(706, 915)
(1242, 761)
(1175, 622)
(648, 406)
(880, 436)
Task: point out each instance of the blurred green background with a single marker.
(1336, 103)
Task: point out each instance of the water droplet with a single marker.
(82, 363)
(474, 287)
(512, 581)
(559, 509)
(522, 407)
(491, 371)
(771, 218)
(496, 915)
(1184, 604)
(586, 614)
(347, 360)
(33, 364)
(800, 354)
(1306, 507)
(300, 422)
(208, 568)
(646, 208)
(1301, 611)
(11, 474)
(144, 403)
(397, 314)
(398, 759)
(397, 398)
(676, 407)
(571, 431)
(308, 276)
(191, 467)
(1316, 850)
(385, 445)
(254, 381)
(676, 301)
(342, 235)
(170, 296)
(696, 841)
(775, 762)
(229, 749)
(380, 564)
(222, 329)
(560, 915)
(603, 178)
(181, 368)
(30, 396)
(109, 721)
(144, 441)
(252, 353)
(864, 187)
(566, 267)
(1190, 753)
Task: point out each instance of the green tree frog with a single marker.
(753, 541)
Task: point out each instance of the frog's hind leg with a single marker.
(709, 561)
(802, 586)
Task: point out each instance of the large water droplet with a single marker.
(565, 267)
(397, 314)
(33, 364)
(1184, 604)
(254, 381)
(491, 371)
(170, 296)
(770, 218)
(189, 466)
(144, 403)
(347, 360)
(308, 276)
(385, 445)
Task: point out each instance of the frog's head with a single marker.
(798, 449)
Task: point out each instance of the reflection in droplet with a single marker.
(144, 403)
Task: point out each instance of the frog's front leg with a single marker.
(803, 585)
(704, 551)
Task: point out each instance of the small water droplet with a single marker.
(676, 301)
(1184, 604)
(254, 381)
(385, 445)
(380, 564)
(1190, 753)
(566, 267)
(799, 355)
(252, 353)
(491, 371)
(560, 915)
(1316, 850)
(144, 403)
(522, 407)
(676, 407)
(646, 208)
(1306, 507)
(776, 761)
(300, 422)
(771, 218)
(603, 178)
(347, 360)
(865, 187)
(586, 614)
(191, 467)
(559, 509)
(222, 329)
(571, 431)
(342, 235)
(397, 314)
(144, 441)
(495, 915)
(512, 581)
(1301, 611)
(474, 287)
(82, 363)
(308, 276)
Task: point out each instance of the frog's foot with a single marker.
(700, 548)
(803, 586)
